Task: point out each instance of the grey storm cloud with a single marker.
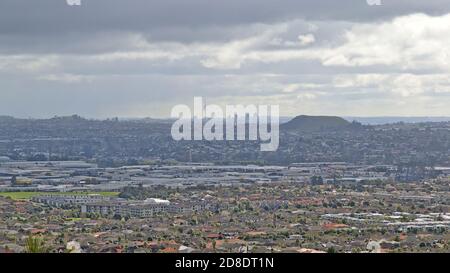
(140, 57)
(52, 25)
(55, 16)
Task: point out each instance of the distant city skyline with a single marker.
(137, 58)
(365, 120)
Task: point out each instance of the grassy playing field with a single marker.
(27, 195)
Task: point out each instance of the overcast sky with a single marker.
(139, 58)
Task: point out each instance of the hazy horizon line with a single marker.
(170, 118)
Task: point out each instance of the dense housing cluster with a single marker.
(126, 187)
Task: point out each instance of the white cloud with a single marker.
(410, 42)
(28, 63)
(66, 78)
(295, 87)
(232, 55)
(307, 96)
(404, 84)
(306, 39)
(413, 42)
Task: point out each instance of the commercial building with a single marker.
(56, 200)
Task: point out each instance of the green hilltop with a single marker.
(317, 123)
